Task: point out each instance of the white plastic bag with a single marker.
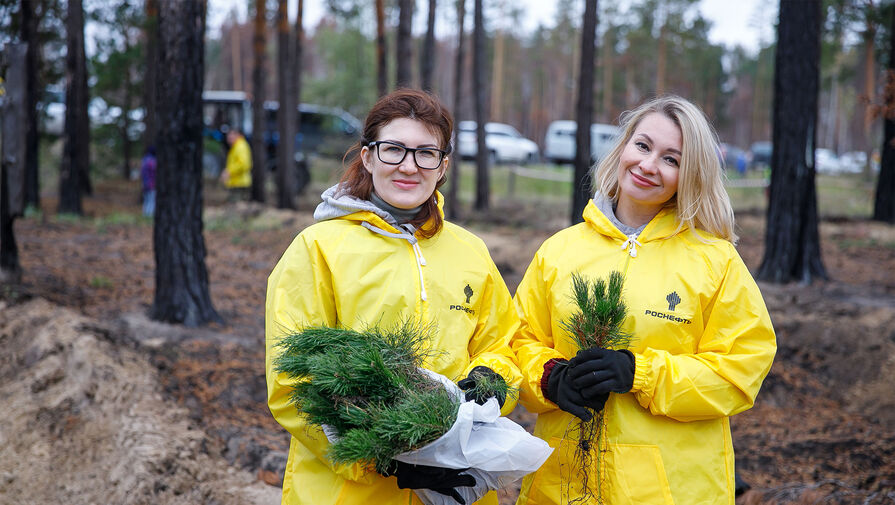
(496, 450)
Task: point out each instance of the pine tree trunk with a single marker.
(259, 152)
(181, 279)
(584, 111)
(13, 130)
(427, 59)
(77, 136)
(482, 183)
(302, 175)
(884, 204)
(286, 113)
(404, 51)
(32, 64)
(150, 34)
(792, 243)
(381, 50)
(125, 117)
(453, 202)
(607, 62)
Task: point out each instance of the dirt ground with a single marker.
(102, 405)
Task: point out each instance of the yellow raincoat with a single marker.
(239, 164)
(703, 343)
(342, 271)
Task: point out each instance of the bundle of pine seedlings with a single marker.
(367, 387)
(596, 323)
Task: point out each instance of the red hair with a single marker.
(402, 103)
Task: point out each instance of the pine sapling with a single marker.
(367, 386)
(597, 323)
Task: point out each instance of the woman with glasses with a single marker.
(381, 253)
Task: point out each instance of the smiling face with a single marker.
(648, 169)
(405, 185)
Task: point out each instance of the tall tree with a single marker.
(73, 177)
(150, 36)
(884, 203)
(181, 278)
(13, 130)
(453, 202)
(482, 182)
(259, 84)
(302, 175)
(403, 45)
(287, 111)
(427, 59)
(381, 50)
(584, 111)
(792, 243)
(29, 36)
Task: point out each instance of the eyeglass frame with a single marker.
(377, 143)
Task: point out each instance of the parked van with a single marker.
(559, 142)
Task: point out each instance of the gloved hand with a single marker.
(469, 383)
(597, 371)
(438, 479)
(561, 391)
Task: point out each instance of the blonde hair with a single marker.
(701, 202)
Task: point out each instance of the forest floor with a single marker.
(103, 405)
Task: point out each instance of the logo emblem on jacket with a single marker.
(673, 299)
(467, 292)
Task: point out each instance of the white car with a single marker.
(826, 161)
(559, 141)
(505, 143)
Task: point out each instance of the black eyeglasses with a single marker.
(427, 158)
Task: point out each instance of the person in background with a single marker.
(147, 176)
(237, 173)
(702, 337)
(381, 253)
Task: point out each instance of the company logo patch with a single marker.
(673, 299)
(464, 309)
(670, 317)
(468, 292)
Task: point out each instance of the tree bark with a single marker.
(125, 116)
(453, 202)
(150, 34)
(13, 158)
(884, 203)
(302, 174)
(404, 51)
(259, 83)
(76, 158)
(792, 243)
(181, 279)
(32, 65)
(584, 111)
(286, 113)
(427, 60)
(482, 182)
(381, 50)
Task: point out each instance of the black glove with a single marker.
(597, 371)
(438, 479)
(561, 392)
(469, 383)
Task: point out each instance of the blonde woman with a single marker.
(702, 338)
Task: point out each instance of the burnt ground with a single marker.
(84, 365)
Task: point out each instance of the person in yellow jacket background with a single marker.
(237, 174)
(702, 337)
(382, 253)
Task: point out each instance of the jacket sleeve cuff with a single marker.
(548, 367)
(641, 372)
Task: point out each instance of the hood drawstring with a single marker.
(417, 252)
(631, 245)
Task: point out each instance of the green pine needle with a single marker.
(367, 386)
(601, 311)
